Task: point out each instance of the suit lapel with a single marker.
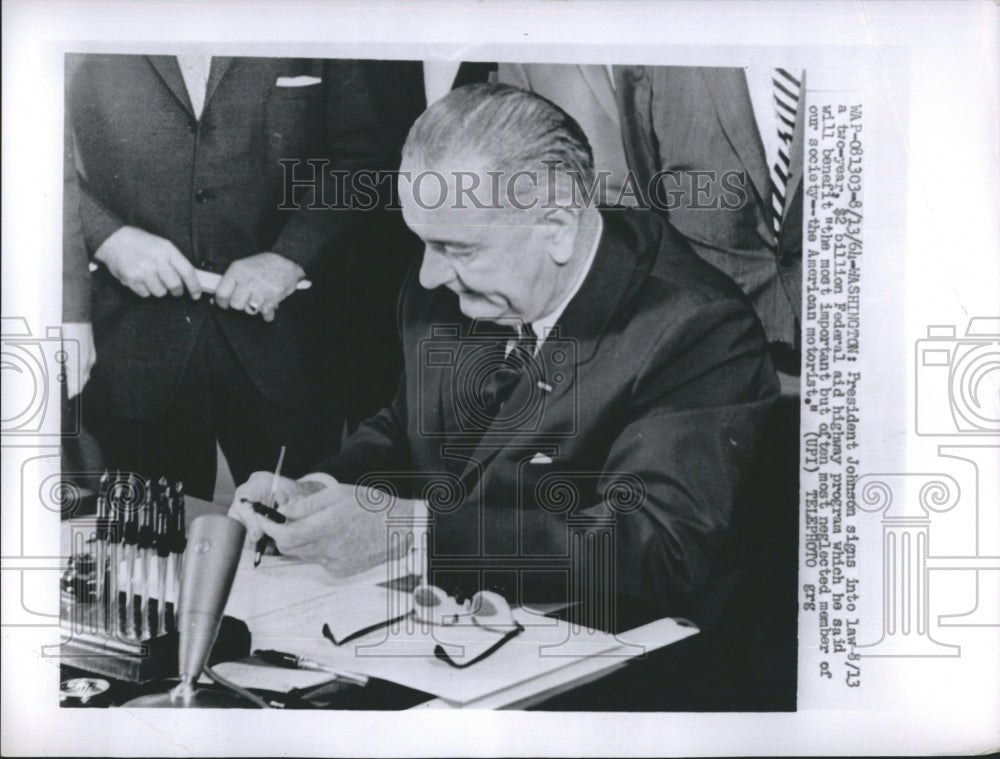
(169, 71)
(220, 64)
(633, 96)
(585, 319)
(578, 333)
(404, 80)
(597, 79)
(728, 87)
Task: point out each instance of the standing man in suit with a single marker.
(563, 366)
(587, 93)
(718, 149)
(178, 168)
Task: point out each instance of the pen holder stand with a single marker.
(140, 660)
(98, 639)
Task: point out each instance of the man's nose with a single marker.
(435, 270)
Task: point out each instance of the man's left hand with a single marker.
(258, 284)
(342, 527)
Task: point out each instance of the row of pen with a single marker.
(126, 584)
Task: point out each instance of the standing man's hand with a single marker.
(258, 284)
(147, 264)
(80, 361)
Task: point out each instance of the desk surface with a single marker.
(678, 677)
(284, 602)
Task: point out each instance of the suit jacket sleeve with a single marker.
(380, 444)
(99, 222)
(75, 271)
(87, 222)
(698, 407)
(674, 472)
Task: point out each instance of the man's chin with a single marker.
(480, 308)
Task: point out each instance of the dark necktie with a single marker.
(499, 384)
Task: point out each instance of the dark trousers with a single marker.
(216, 400)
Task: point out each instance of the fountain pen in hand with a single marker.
(262, 542)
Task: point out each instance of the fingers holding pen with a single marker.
(306, 520)
(331, 527)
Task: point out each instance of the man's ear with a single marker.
(561, 226)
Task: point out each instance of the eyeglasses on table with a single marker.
(486, 610)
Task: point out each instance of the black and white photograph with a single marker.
(580, 392)
(567, 381)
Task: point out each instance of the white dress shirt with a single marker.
(439, 76)
(195, 70)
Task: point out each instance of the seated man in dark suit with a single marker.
(585, 390)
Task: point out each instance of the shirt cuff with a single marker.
(321, 477)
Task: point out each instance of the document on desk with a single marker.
(286, 603)
(278, 583)
(546, 653)
(285, 600)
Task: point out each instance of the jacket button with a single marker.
(201, 196)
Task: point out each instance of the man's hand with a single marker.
(342, 527)
(258, 284)
(257, 488)
(147, 264)
(77, 374)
